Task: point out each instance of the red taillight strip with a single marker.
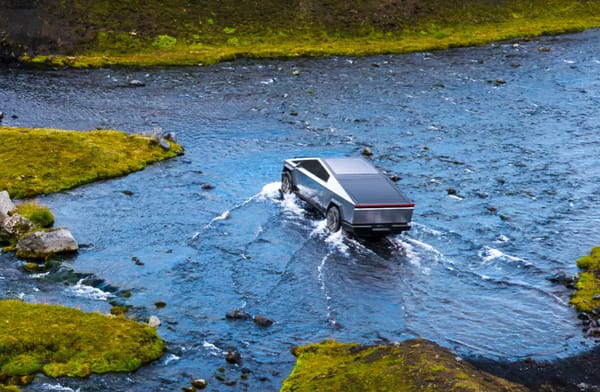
(406, 205)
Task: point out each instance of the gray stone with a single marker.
(41, 244)
(15, 225)
(6, 205)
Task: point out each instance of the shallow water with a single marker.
(510, 127)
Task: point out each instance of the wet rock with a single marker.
(199, 383)
(263, 321)
(171, 137)
(234, 357)
(563, 279)
(44, 243)
(160, 304)
(154, 322)
(164, 144)
(237, 314)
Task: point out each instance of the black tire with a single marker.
(334, 219)
(286, 183)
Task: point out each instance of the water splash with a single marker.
(82, 290)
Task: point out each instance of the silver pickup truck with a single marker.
(351, 193)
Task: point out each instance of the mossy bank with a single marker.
(59, 341)
(413, 365)
(42, 161)
(176, 32)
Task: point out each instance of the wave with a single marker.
(489, 254)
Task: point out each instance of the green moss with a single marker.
(587, 295)
(60, 341)
(40, 215)
(413, 365)
(127, 34)
(41, 161)
(164, 41)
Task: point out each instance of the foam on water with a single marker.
(83, 290)
(488, 254)
(170, 358)
(58, 387)
(213, 349)
(323, 285)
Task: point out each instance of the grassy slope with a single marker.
(42, 161)
(152, 32)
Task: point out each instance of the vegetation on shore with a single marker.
(413, 365)
(41, 161)
(60, 341)
(587, 295)
(94, 33)
(40, 215)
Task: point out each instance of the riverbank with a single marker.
(87, 33)
(44, 161)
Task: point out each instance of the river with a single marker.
(511, 129)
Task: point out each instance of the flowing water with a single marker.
(511, 127)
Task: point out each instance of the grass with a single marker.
(413, 365)
(587, 295)
(39, 215)
(183, 33)
(60, 341)
(42, 161)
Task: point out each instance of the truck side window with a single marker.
(315, 167)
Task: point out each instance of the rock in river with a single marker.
(6, 205)
(41, 244)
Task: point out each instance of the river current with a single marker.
(497, 145)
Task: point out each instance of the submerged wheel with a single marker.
(334, 221)
(286, 183)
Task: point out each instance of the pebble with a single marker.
(154, 322)
(199, 383)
